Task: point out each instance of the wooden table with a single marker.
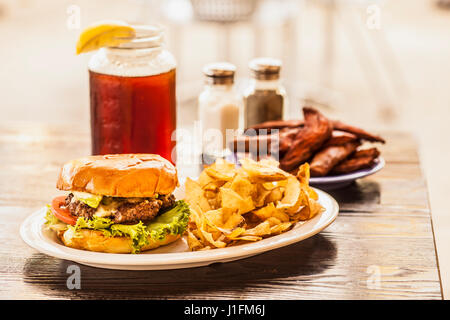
(381, 246)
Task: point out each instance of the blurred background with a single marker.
(382, 65)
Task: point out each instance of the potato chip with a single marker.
(230, 205)
(265, 212)
(210, 239)
(193, 243)
(275, 195)
(195, 214)
(232, 221)
(214, 217)
(315, 208)
(233, 201)
(310, 207)
(303, 176)
(262, 229)
(269, 185)
(212, 186)
(291, 202)
(310, 210)
(204, 179)
(197, 232)
(261, 195)
(195, 194)
(214, 198)
(222, 222)
(221, 170)
(242, 186)
(281, 216)
(235, 233)
(280, 228)
(248, 238)
(210, 194)
(273, 221)
(292, 192)
(282, 183)
(259, 172)
(271, 211)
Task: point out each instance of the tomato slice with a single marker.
(62, 214)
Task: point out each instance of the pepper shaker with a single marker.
(265, 97)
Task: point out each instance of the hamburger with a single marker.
(120, 203)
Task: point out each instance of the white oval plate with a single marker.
(340, 181)
(176, 255)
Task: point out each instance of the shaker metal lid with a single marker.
(265, 68)
(219, 69)
(219, 73)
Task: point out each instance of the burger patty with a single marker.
(127, 212)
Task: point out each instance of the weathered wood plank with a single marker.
(320, 267)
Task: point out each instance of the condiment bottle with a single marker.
(265, 97)
(219, 108)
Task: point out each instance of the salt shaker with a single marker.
(219, 108)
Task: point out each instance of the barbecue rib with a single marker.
(360, 133)
(327, 158)
(359, 160)
(310, 138)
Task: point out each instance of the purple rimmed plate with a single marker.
(343, 180)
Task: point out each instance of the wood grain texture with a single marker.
(384, 228)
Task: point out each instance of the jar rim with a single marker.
(146, 37)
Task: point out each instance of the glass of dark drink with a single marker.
(132, 96)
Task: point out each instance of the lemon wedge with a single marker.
(104, 34)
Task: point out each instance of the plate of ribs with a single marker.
(337, 153)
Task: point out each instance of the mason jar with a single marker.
(132, 96)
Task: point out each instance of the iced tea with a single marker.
(133, 114)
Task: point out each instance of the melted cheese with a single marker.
(107, 210)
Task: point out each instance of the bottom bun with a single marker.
(93, 240)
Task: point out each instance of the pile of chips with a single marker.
(231, 205)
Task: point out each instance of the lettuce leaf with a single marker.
(50, 217)
(95, 223)
(53, 222)
(173, 221)
(137, 232)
